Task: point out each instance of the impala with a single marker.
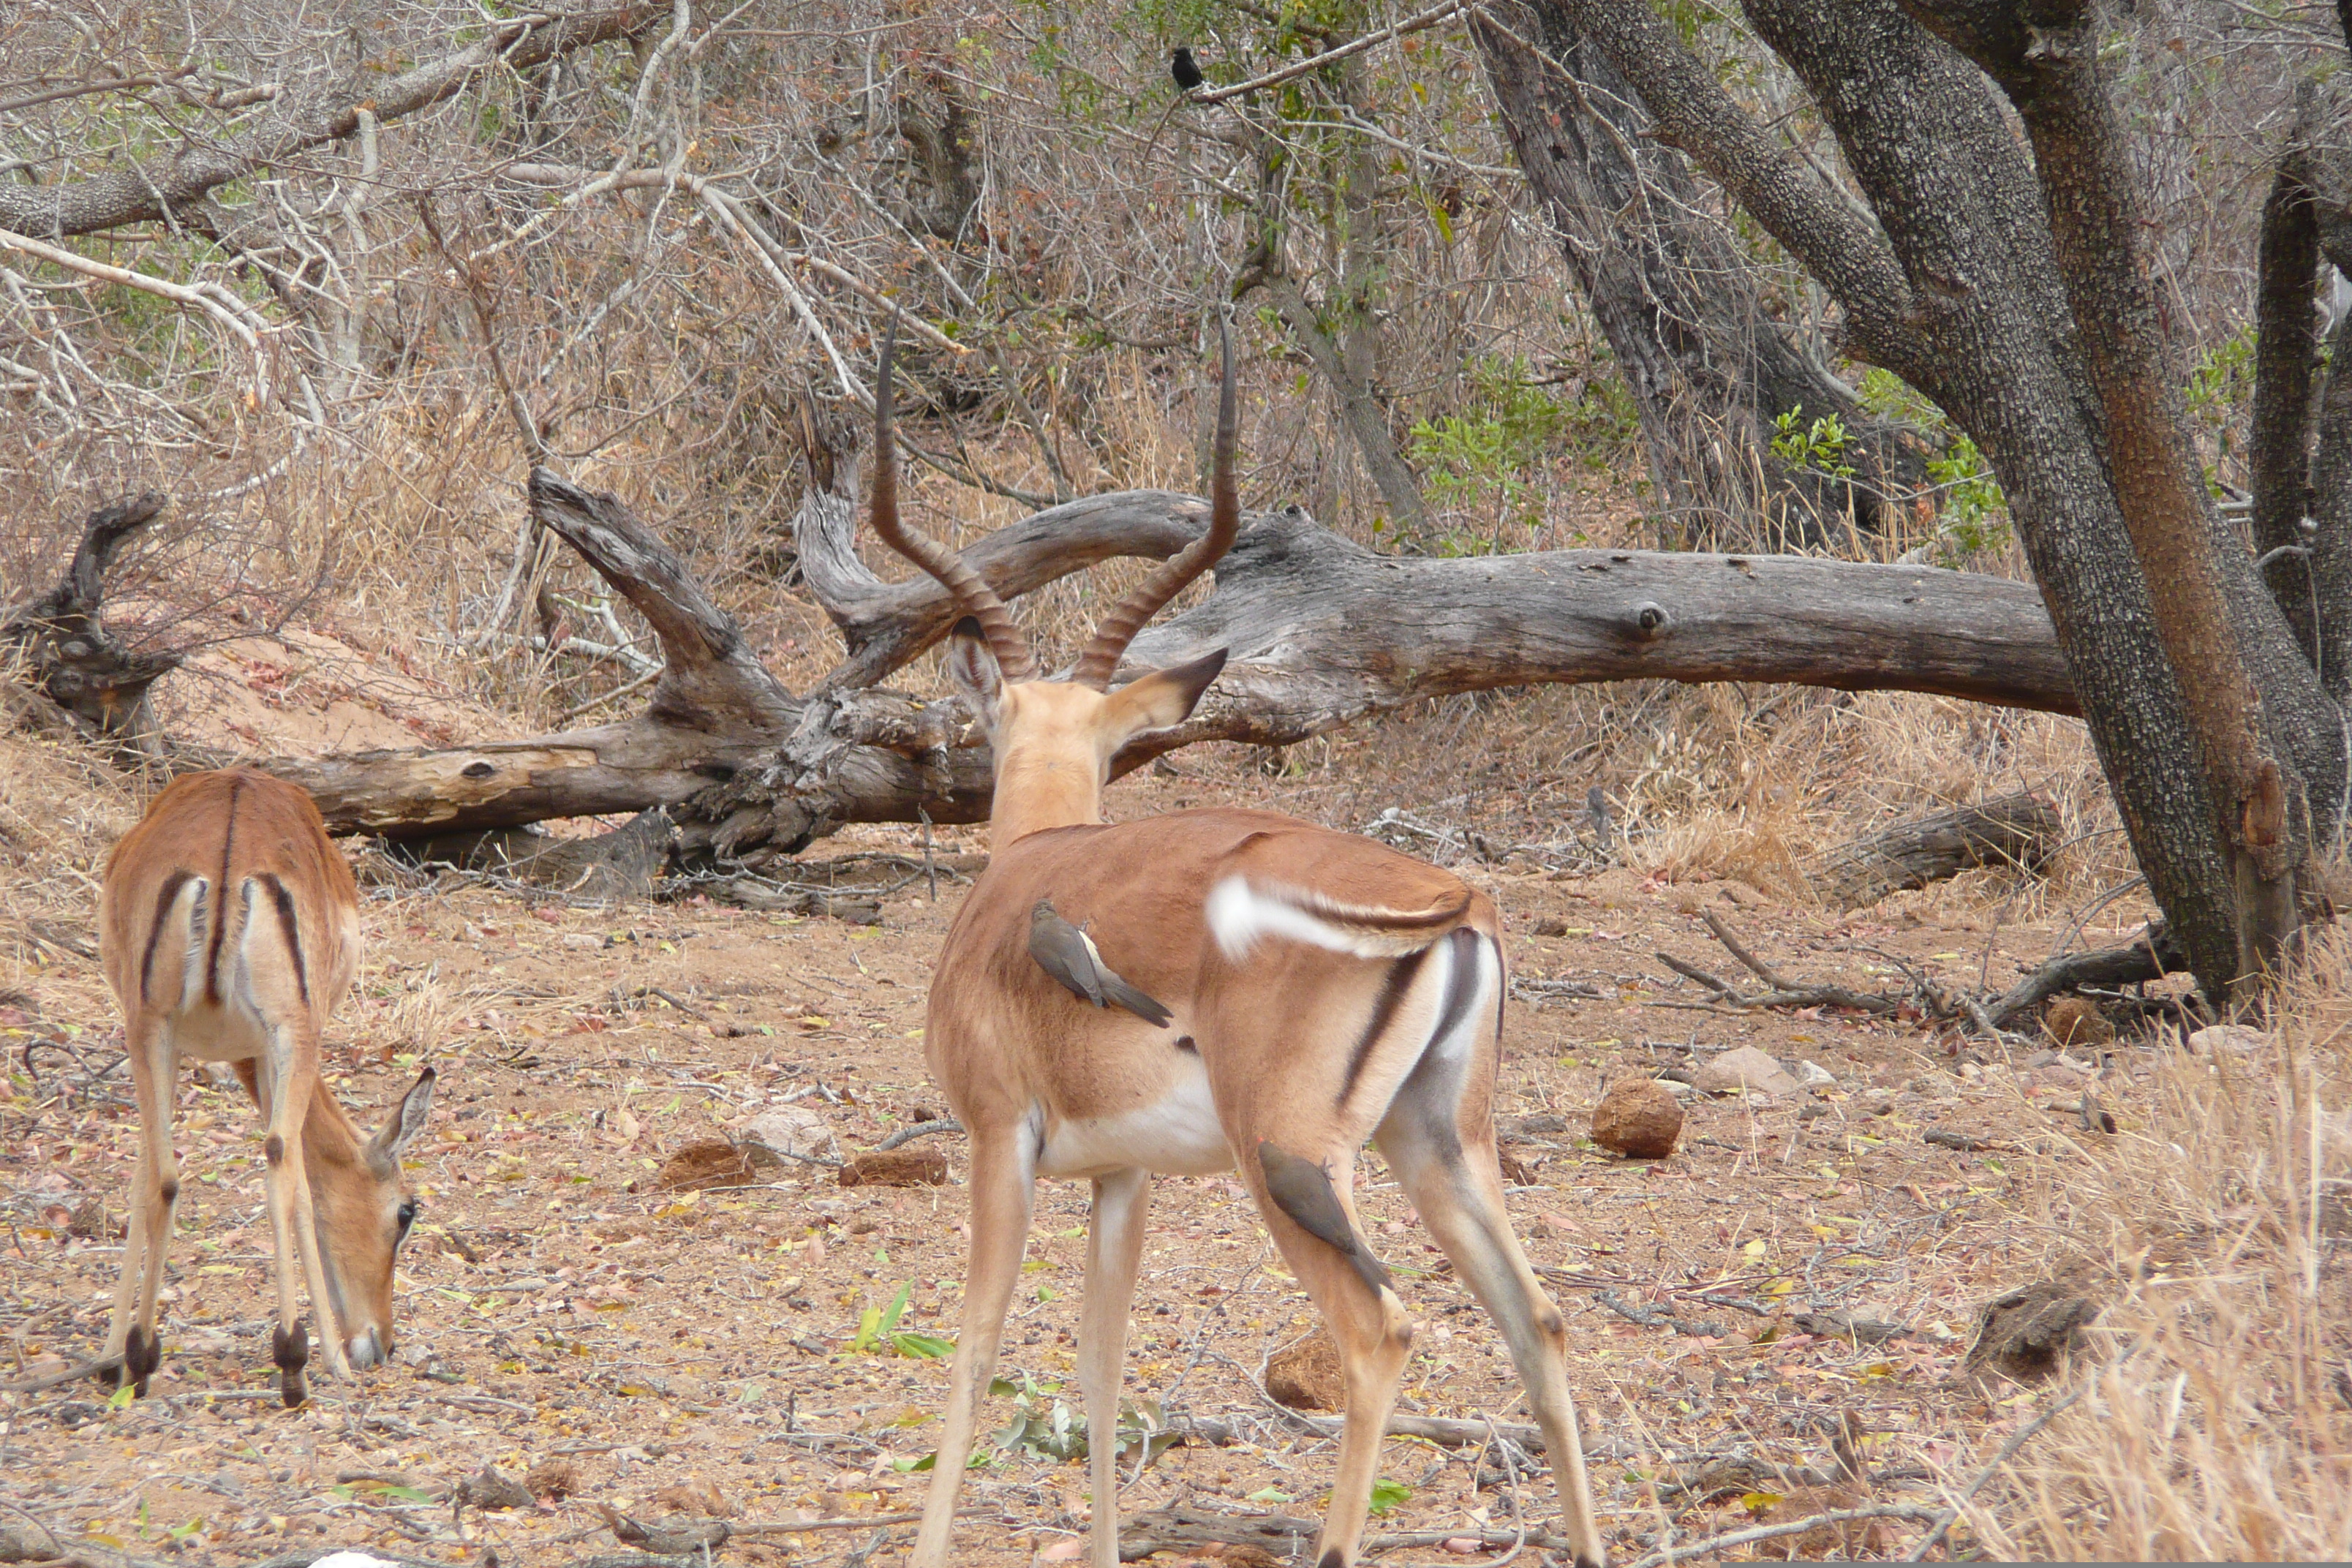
(1318, 990)
(229, 927)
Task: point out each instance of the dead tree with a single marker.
(2018, 829)
(80, 669)
(1322, 633)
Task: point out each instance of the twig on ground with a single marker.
(1791, 1527)
(1948, 1517)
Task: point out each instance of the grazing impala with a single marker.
(229, 927)
(1318, 989)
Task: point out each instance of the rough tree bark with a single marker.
(1958, 280)
(1683, 310)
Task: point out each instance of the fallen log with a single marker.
(2021, 829)
(1322, 632)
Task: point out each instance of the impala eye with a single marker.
(406, 1215)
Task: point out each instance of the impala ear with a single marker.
(1165, 697)
(408, 1120)
(972, 665)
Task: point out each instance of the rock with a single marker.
(492, 1488)
(2023, 1333)
(1548, 925)
(1307, 1375)
(2232, 1037)
(1745, 1068)
(791, 1129)
(2077, 1021)
(1812, 1075)
(1639, 1118)
(1838, 1326)
(552, 1479)
(908, 1167)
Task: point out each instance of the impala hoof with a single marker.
(142, 1353)
(290, 1349)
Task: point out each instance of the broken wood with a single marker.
(2150, 955)
(1322, 632)
(71, 658)
(2021, 829)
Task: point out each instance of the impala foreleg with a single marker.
(1457, 1186)
(1003, 1179)
(1114, 1254)
(1313, 1221)
(132, 1332)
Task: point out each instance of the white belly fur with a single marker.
(1176, 1135)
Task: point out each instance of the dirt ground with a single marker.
(668, 1354)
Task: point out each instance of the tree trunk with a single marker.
(1959, 287)
(1682, 311)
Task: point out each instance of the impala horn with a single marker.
(1101, 657)
(1013, 660)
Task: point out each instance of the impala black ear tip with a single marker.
(969, 626)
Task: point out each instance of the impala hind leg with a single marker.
(1003, 1180)
(1114, 1254)
(1307, 1207)
(1456, 1185)
(130, 1332)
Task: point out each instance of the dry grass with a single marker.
(2215, 1419)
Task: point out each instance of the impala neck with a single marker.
(1052, 748)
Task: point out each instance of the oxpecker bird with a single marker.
(1070, 956)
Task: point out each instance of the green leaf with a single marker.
(1270, 1494)
(121, 1398)
(897, 1307)
(868, 1325)
(927, 1347)
(1389, 1496)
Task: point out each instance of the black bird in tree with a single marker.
(1185, 70)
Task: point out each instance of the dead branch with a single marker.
(2020, 829)
(69, 655)
(176, 188)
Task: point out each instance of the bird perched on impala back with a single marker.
(1070, 956)
(1184, 68)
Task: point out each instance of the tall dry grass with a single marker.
(2213, 1417)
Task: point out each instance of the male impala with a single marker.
(229, 928)
(1320, 989)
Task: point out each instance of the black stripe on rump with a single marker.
(293, 929)
(220, 920)
(1392, 998)
(180, 877)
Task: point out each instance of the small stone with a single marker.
(1639, 1118)
(1745, 1068)
(789, 1131)
(1812, 1075)
(2223, 1037)
(2077, 1021)
(909, 1167)
(1307, 1375)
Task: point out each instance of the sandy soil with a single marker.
(668, 1354)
